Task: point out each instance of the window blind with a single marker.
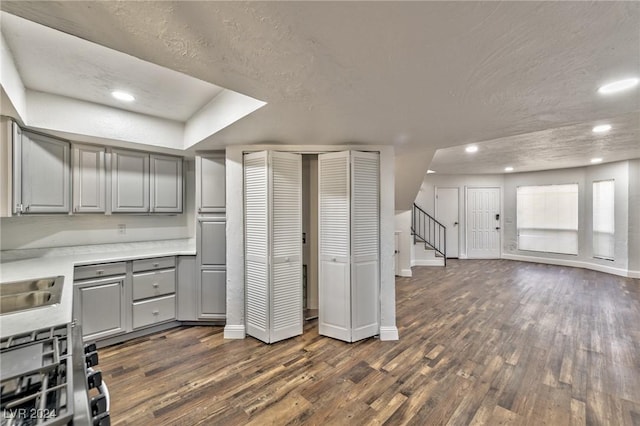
(604, 219)
(547, 218)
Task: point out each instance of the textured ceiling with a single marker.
(562, 147)
(419, 75)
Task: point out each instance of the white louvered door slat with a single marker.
(365, 237)
(286, 245)
(334, 294)
(256, 207)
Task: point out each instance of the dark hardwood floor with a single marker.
(481, 342)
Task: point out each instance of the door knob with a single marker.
(455, 223)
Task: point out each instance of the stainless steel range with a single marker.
(47, 379)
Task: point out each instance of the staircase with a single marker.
(425, 228)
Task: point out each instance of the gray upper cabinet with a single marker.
(166, 184)
(129, 181)
(89, 179)
(211, 183)
(42, 168)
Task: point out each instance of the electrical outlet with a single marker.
(122, 229)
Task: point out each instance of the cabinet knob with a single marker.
(100, 272)
(155, 265)
(154, 285)
(155, 312)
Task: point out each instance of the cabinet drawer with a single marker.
(156, 283)
(155, 263)
(153, 311)
(101, 270)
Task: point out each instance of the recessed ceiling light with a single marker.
(618, 86)
(508, 169)
(430, 171)
(602, 128)
(123, 96)
(471, 148)
(596, 160)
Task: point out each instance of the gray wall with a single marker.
(44, 231)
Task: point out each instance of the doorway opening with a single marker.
(310, 236)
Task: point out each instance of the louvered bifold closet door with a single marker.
(365, 247)
(286, 246)
(334, 294)
(256, 210)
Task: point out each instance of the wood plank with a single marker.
(483, 342)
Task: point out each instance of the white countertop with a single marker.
(16, 265)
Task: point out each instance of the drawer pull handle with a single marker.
(155, 265)
(156, 312)
(100, 272)
(154, 285)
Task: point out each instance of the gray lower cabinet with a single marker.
(212, 273)
(42, 180)
(213, 298)
(99, 306)
(188, 289)
(154, 288)
(120, 297)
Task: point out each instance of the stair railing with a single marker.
(425, 228)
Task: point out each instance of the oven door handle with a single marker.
(103, 389)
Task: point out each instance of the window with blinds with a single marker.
(604, 219)
(547, 218)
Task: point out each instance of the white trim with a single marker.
(389, 333)
(405, 273)
(232, 331)
(573, 263)
(429, 262)
(633, 274)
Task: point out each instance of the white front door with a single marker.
(448, 215)
(483, 223)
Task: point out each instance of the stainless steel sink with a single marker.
(21, 295)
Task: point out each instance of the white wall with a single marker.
(634, 218)
(405, 243)
(584, 177)
(427, 195)
(14, 97)
(42, 231)
(59, 113)
(235, 327)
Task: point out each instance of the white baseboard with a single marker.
(429, 262)
(389, 333)
(574, 263)
(234, 331)
(405, 273)
(634, 274)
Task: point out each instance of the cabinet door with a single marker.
(187, 288)
(213, 294)
(45, 174)
(212, 242)
(166, 184)
(88, 179)
(129, 182)
(100, 305)
(211, 183)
